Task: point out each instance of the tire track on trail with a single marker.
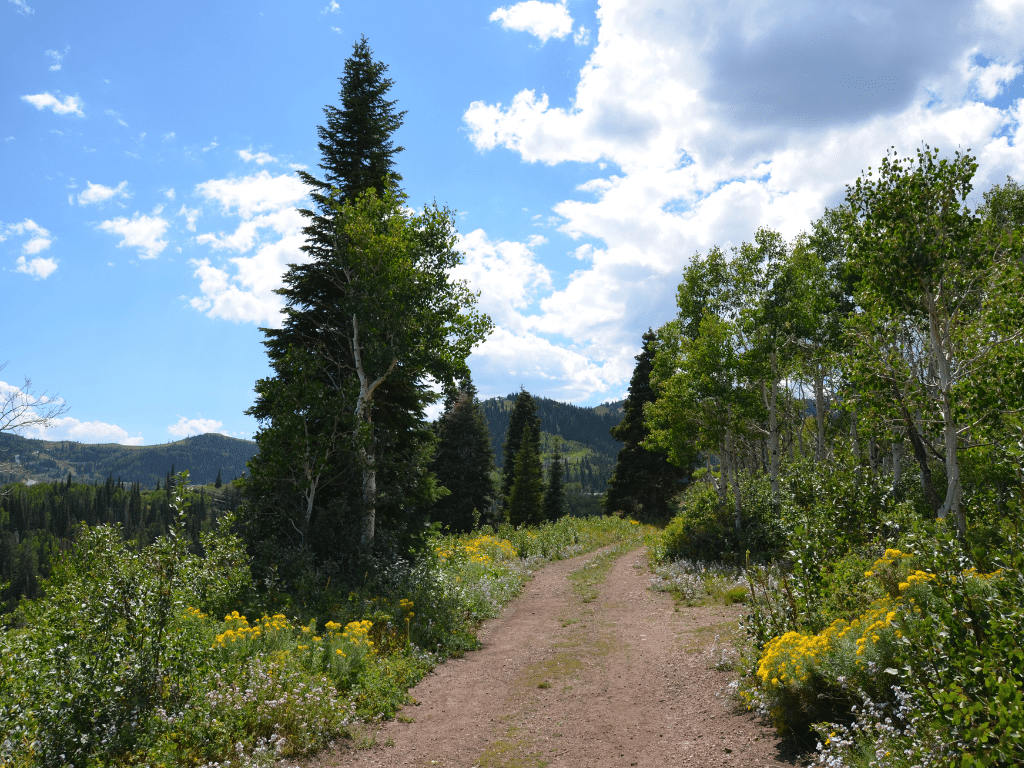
(616, 681)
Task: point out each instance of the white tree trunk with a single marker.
(819, 407)
(939, 332)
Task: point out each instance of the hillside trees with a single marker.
(524, 504)
(524, 413)
(644, 481)
(554, 504)
(379, 317)
(463, 461)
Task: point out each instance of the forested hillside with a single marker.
(587, 446)
(204, 456)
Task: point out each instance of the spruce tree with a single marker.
(554, 495)
(524, 412)
(643, 483)
(374, 273)
(527, 494)
(462, 461)
(217, 483)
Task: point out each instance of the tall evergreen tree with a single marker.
(527, 494)
(524, 412)
(643, 482)
(368, 318)
(554, 495)
(463, 461)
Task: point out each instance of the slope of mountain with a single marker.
(586, 444)
(203, 456)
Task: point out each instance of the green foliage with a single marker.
(523, 506)
(112, 644)
(463, 462)
(554, 505)
(644, 483)
(523, 416)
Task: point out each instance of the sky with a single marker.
(589, 149)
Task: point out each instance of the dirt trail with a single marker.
(619, 681)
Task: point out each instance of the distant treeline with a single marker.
(570, 422)
(204, 456)
(38, 522)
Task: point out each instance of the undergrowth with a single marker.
(149, 657)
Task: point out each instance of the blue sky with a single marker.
(148, 156)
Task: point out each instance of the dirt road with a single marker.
(620, 680)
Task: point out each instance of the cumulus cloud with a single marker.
(170, 194)
(97, 193)
(332, 7)
(140, 231)
(39, 239)
(241, 288)
(708, 120)
(507, 274)
(260, 158)
(186, 427)
(39, 268)
(545, 20)
(69, 428)
(69, 105)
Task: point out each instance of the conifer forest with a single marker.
(831, 422)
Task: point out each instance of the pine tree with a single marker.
(217, 483)
(463, 461)
(526, 496)
(524, 412)
(365, 357)
(554, 496)
(643, 483)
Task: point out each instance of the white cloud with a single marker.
(336, 29)
(168, 136)
(186, 427)
(210, 146)
(251, 195)
(97, 193)
(259, 157)
(581, 36)
(242, 289)
(190, 214)
(70, 105)
(69, 428)
(332, 7)
(991, 80)
(22, 7)
(57, 57)
(141, 231)
(545, 20)
(39, 267)
(170, 193)
(507, 274)
(713, 119)
(39, 240)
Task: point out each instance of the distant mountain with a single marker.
(588, 447)
(203, 456)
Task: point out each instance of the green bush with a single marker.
(703, 530)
